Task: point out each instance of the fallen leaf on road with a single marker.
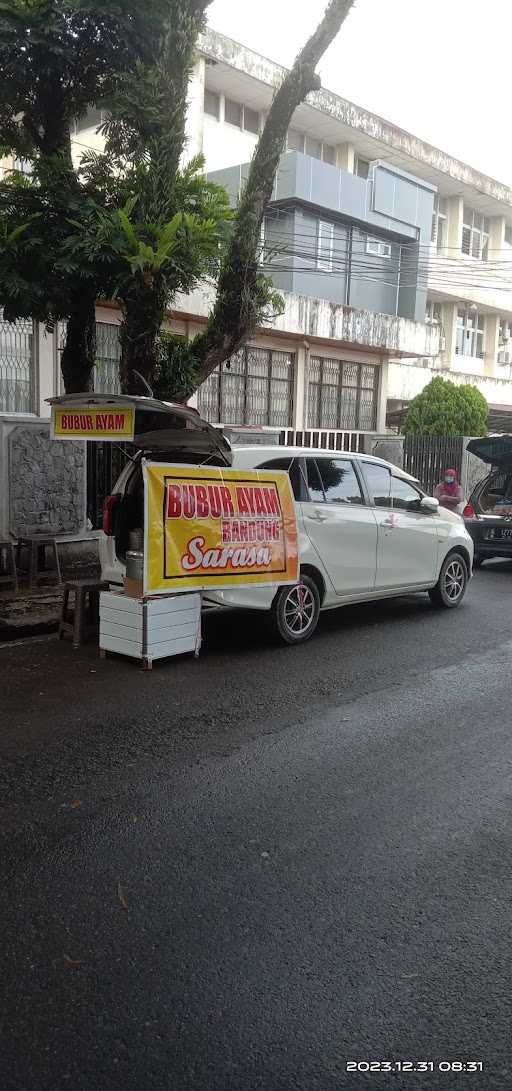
(72, 961)
(121, 896)
(76, 803)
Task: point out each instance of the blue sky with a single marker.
(440, 69)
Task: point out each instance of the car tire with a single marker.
(296, 610)
(452, 583)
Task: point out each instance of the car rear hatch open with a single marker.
(494, 450)
(153, 426)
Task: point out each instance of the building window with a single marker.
(324, 246)
(378, 247)
(254, 387)
(508, 234)
(309, 145)
(235, 113)
(313, 147)
(439, 222)
(294, 141)
(361, 167)
(342, 395)
(433, 314)
(475, 234)
(16, 366)
(212, 104)
(470, 333)
(108, 358)
(251, 120)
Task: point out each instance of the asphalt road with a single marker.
(246, 871)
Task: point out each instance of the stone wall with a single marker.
(387, 446)
(45, 481)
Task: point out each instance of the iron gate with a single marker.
(104, 464)
(427, 457)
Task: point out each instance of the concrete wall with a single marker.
(390, 202)
(307, 278)
(43, 482)
(408, 378)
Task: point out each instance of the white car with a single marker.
(366, 532)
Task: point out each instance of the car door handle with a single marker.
(318, 517)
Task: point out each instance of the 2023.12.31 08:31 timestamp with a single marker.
(415, 1066)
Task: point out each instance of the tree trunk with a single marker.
(79, 355)
(242, 294)
(143, 315)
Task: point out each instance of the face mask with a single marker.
(449, 480)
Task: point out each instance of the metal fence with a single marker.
(17, 371)
(341, 394)
(326, 439)
(427, 457)
(104, 464)
(108, 356)
(254, 387)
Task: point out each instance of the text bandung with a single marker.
(251, 530)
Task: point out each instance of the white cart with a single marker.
(149, 628)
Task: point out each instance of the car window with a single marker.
(405, 496)
(379, 483)
(496, 491)
(315, 487)
(339, 480)
(292, 466)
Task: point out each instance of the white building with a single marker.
(401, 272)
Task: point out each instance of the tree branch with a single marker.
(243, 293)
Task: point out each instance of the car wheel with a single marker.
(451, 585)
(296, 611)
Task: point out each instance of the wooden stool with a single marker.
(8, 571)
(37, 545)
(83, 621)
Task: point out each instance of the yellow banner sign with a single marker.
(208, 527)
(109, 422)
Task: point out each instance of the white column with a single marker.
(455, 224)
(450, 331)
(299, 390)
(44, 369)
(491, 343)
(195, 111)
(383, 396)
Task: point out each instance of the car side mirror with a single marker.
(429, 504)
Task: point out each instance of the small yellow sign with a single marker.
(109, 422)
(208, 527)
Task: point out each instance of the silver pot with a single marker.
(134, 565)
(136, 539)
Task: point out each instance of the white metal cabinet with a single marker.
(150, 629)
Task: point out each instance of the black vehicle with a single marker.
(488, 513)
